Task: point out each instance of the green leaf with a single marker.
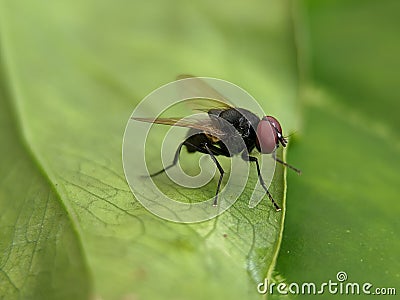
(343, 213)
(74, 72)
(39, 243)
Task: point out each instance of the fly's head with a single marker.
(269, 135)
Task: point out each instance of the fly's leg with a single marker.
(212, 151)
(285, 164)
(204, 148)
(175, 161)
(221, 174)
(252, 158)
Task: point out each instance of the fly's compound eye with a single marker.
(277, 126)
(269, 135)
(266, 137)
(275, 123)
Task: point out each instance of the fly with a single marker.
(206, 135)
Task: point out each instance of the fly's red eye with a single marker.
(274, 123)
(278, 130)
(266, 137)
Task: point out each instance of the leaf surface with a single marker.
(75, 72)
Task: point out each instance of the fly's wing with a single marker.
(202, 96)
(205, 124)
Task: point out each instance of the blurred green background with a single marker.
(71, 72)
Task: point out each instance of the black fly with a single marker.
(209, 136)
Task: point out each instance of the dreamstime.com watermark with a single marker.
(340, 286)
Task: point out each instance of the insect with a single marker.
(211, 136)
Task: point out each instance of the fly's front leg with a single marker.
(254, 159)
(285, 164)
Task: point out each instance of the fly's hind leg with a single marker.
(175, 161)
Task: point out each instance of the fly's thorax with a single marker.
(240, 127)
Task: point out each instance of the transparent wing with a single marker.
(203, 97)
(200, 97)
(202, 123)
